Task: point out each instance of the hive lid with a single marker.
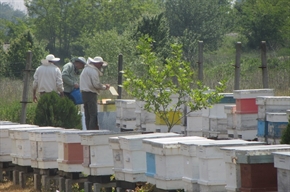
(97, 132)
(252, 93)
(276, 117)
(145, 136)
(219, 143)
(8, 123)
(285, 153)
(17, 126)
(170, 142)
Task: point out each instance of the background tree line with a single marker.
(70, 28)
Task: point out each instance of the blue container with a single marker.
(76, 96)
(151, 166)
(276, 129)
(262, 128)
(228, 99)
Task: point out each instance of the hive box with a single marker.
(251, 168)
(188, 149)
(212, 176)
(98, 155)
(134, 157)
(246, 99)
(143, 117)
(277, 123)
(20, 151)
(230, 111)
(164, 161)
(275, 104)
(44, 148)
(70, 150)
(117, 158)
(5, 140)
(282, 163)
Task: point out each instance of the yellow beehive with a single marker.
(173, 115)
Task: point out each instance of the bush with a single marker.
(285, 139)
(53, 110)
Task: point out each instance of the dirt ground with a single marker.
(7, 186)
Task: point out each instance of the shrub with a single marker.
(53, 110)
(285, 139)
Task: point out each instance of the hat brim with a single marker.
(90, 60)
(54, 60)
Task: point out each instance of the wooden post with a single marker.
(120, 68)
(26, 87)
(264, 64)
(200, 60)
(237, 66)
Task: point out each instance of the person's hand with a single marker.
(76, 86)
(35, 99)
(107, 86)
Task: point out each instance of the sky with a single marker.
(16, 4)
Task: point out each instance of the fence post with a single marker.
(200, 60)
(120, 68)
(237, 65)
(26, 87)
(264, 65)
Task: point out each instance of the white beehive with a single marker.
(134, 157)
(164, 161)
(282, 163)
(101, 159)
(20, 151)
(70, 150)
(272, 104)
(188, 149)
(234, 156)
(194, 123)
(6, 146)
(7, 123)
(211, 164)
(246, 121)
(44, 148)
(247, 134)
(117, 158)
(143, 117)
(175, 129)
(252, 93)
(128, 109)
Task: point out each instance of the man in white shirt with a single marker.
(90, 86)
(47, 77)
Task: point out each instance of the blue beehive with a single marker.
(150, 162)
(262, 128)
(276, 128)
(228, 98)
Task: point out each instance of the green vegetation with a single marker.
(285, 138)
(52, 110)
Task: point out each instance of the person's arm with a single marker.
(59, 82)
(96, 82)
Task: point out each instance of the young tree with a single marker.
(159, 82)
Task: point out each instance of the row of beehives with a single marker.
(168, 160)
(245, 114)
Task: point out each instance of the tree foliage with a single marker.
(265, 20)
(16, 56)
(159, 82)
(204, 20)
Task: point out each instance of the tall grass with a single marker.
(10, 98)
